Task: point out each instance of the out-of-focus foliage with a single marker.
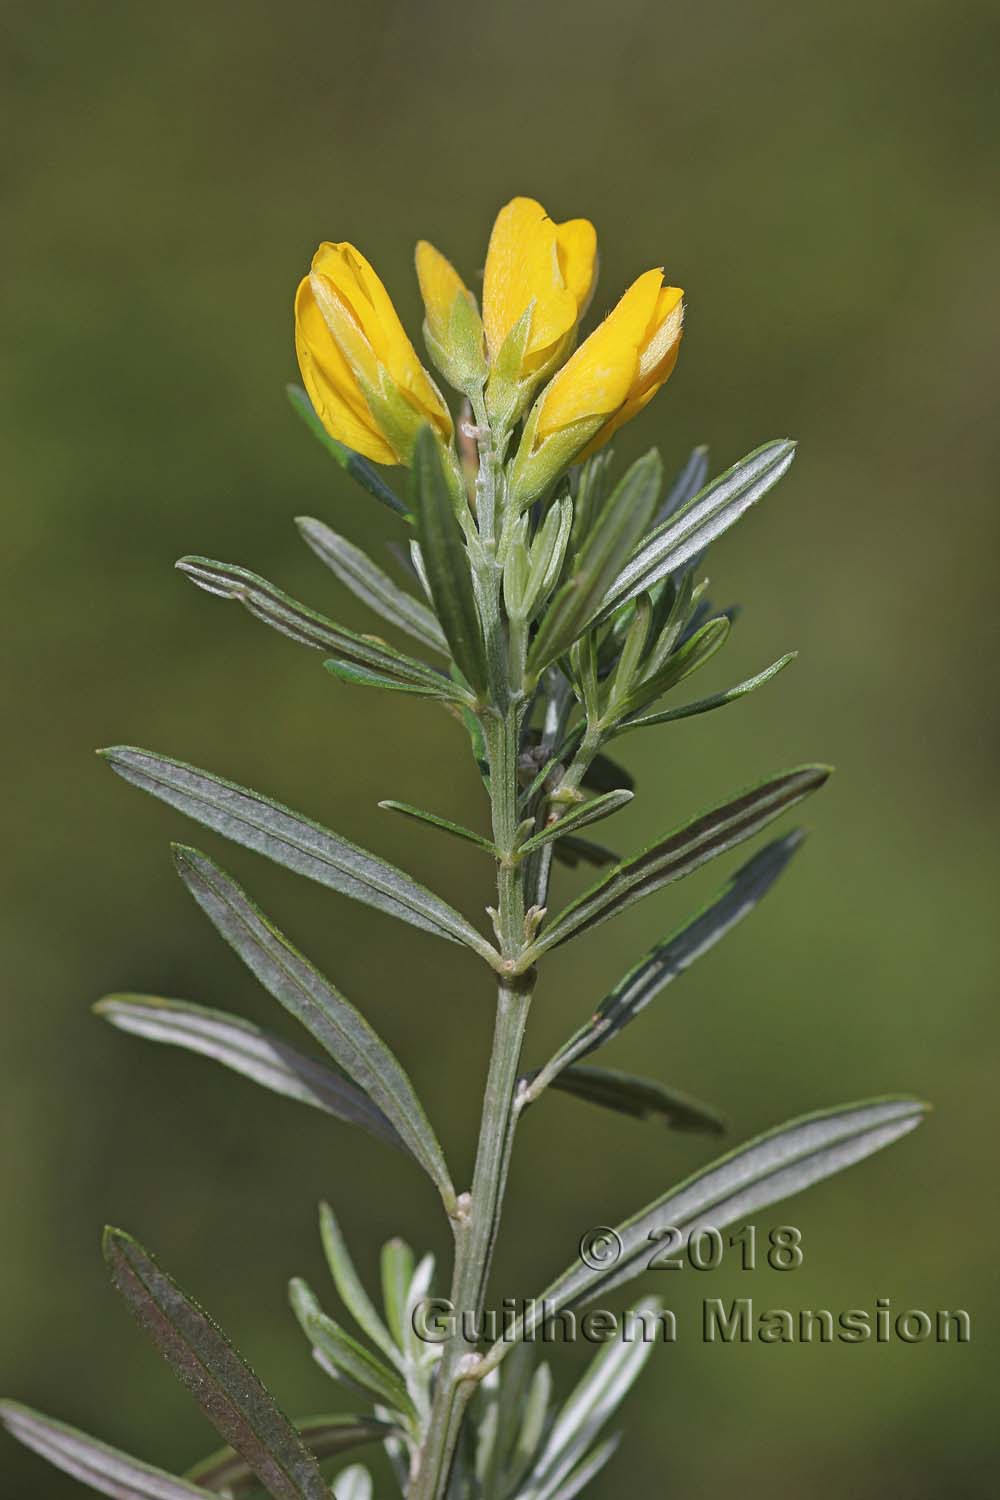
(820, 180)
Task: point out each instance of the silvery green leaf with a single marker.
(313, 1001)
(693, 655)
(355, 1364)
(580, 816)
(222, 1383)
(93, 1463)
(291, 840)
(736, 1186)
(286, 615)
(642, 1098)
(359, 468)
(705, 705)
(681, 852)
(687, 484)
(670, 958)
(325, 1437)
(398, 1265)
(705, 518)
(251, 1051)
(348, 1284)
(621, 523)
(446, 561)
(356, 676)
(354, 1483)
(445, 824)
(548, 552)
(367, 581)
(584, 1472)
(595, 1399)
(532, 1429)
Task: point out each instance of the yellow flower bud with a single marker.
(362, 374)
(609, 379)
(453, 330)
(537, 284)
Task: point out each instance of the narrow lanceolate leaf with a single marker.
(596, 1397)
(354, 1483)
(619, 526)
(96, 1465)
(676, 953)
(446, 561)
(349, 1358)
(642, 1098)
(367, 653)
(687, 484)
(765, 1171)
(293, 841)
(360, 470)
(312, 1000)
(689, 658)
(348, 1284)
(325, 1437)
(586, 1470)
(222, 1383)
(706, 517)
(572, 851)
(398, 1266)
(250, 1050)
(371, 585)
(682, 852)
(578, 817)
(705, 705)
(445, 824)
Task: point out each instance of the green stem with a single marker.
(476, 1231)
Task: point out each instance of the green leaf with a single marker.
(446, 561)
(325, 1437)
(572, 851)
(619, 526)
(95, 1464)
(445, 824)
(693, 655)
(365, 677)
(676, 953)
(354, 1483)
(222, 1383)
(360, 470)
(340, 1029)
(371, 585)
(286, 615)
(642, 1098)
(349, 1287)
(536, 1411)
(584, 1472)
(596, 1397)
(686, 485)
(350, 1359)
(398, 1266)
(681, 852)
(765, 1171)
(251, 1051)
(711, 513)
(291, 840)
(580, 816)
(705, 705)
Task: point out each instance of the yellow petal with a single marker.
(576, 242)
(522, 271)
(656, 363)
(440, 284)
(600, 375)
(331, 384)
(360, 292)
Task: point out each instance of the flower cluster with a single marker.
(371, 392)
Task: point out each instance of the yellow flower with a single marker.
(548, 268)
(609, 379)
(362, 374)
(453, 330)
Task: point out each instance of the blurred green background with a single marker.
(821, 179)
